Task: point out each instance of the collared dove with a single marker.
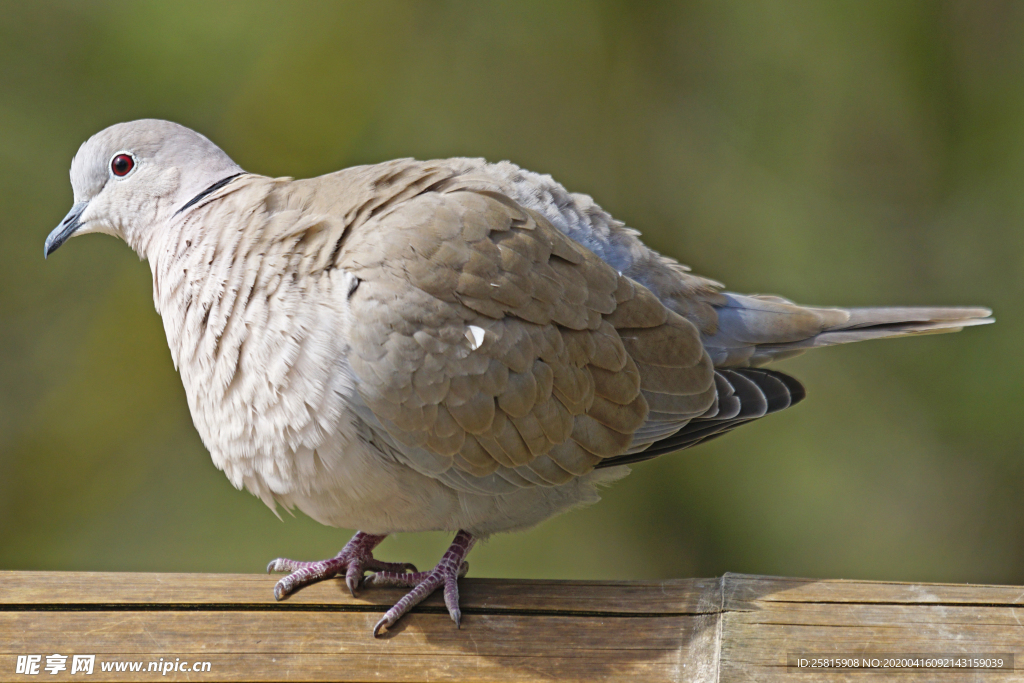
(434, 345)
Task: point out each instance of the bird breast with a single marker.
(259, 343)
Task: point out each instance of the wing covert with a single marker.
(496, 352)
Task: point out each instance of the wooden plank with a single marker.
(337, 645)
(512, 631)
(676, 596)
(734, 628)
(765, 620)
(745, 591)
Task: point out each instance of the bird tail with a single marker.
(754, 330)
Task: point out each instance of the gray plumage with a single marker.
(425, 345)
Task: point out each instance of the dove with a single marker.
(449, 345)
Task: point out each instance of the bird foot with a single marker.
(447, 573)
(354, 559)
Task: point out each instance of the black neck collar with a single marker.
(211, 189)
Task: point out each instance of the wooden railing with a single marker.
(732, 628)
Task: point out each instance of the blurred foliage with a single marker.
(849, 153)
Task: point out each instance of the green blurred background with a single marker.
(848, 153)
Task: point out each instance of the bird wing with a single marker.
(497, 353)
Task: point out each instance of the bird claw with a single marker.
(381, 627)
(283, 564)
(447, 573)
(357, 557)
(354, 559)
(422, 584)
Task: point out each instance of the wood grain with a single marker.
(765, 619)
(512, 630)
(732, 628)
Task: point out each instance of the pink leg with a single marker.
(446, 573)
(354, 559)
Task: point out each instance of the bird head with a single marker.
(130, 178)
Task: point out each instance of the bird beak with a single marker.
(66, 229)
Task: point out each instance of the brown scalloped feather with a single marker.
(488, 338)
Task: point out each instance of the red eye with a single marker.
(122, 164)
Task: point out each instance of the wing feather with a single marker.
(500, 354)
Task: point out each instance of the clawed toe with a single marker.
(283, 564)
(382, 626)
(303, 574)
(375, 565)
(447, 573)
(422, 584)
(282, 588)
(357, 557)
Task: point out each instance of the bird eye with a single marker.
(122, 164)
